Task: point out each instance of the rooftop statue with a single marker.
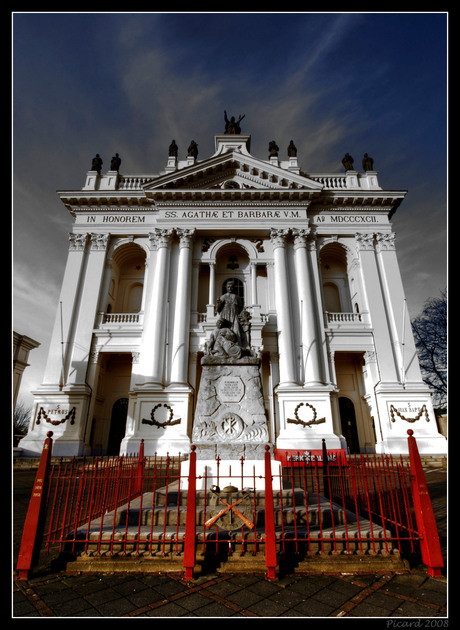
(96, 164)
(115, 163)
(232, 126)
(273, 149)
(193, 150)
(292, 149)
(173, 149)
(347, 162)
(368, 163)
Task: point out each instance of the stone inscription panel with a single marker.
(230, 389)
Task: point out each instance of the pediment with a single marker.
(232, 171)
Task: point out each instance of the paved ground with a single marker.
(53, 593)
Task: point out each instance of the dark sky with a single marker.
(87, 83)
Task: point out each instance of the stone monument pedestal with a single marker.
(230, 418)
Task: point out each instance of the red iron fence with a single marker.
(277, 515)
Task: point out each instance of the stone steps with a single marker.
(313, 538)
(326, 526)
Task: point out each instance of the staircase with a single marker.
(313, 536)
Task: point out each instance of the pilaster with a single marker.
(377, 308)
(398, 315)
(87, 310)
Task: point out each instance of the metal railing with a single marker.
(152, 507)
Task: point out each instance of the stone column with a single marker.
(254, 283)
(210, 308)
(316, 284)
(283, 309)
(142, 366)
(55, 373)
(181, 332)
(194, 297)
(212, 283)
(151, 364)
(310, 339)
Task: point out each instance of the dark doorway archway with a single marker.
(348, 422)
(117, 426)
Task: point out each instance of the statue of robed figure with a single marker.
(229, 306)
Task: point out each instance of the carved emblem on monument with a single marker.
(229, 427)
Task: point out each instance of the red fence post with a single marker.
(190, 520)
(326, 482)
(426, 522)
(36, 514)
(270, 539)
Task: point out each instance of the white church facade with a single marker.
(312, 260)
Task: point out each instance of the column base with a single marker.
(64, 412)
(161, 418)
(305, 419)
(403, 409)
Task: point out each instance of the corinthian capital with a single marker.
(77, 242)
(185, 237)
(161, 238)
(99, 241)
(364, 241)
(385, 242)
(300, 237)
(278, 237)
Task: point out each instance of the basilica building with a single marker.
(303, 268)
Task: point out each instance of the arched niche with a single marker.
(232, 262)
(333, 259)
(126, 281)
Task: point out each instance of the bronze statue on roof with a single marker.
(232, 126)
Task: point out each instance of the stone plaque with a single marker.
(230, 389)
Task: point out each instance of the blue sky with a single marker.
(87, 83)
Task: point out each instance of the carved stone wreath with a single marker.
(158, 423)
(422, 411)
(70, 415)
(304, 423)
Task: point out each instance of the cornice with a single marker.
(362, 200)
